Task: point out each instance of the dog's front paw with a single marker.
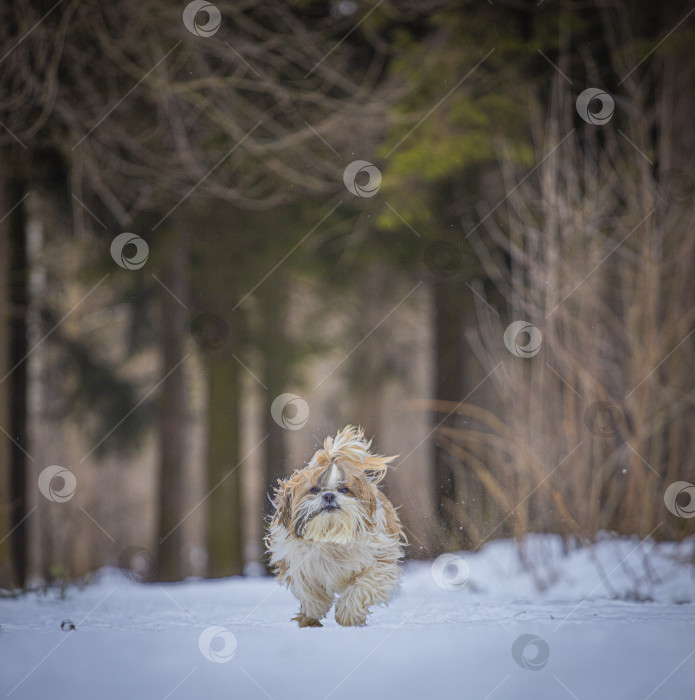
(305, 621)
(349, 615)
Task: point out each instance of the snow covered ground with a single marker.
(616, 621)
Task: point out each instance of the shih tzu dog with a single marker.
(335, 533)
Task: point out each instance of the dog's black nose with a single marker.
(329, 497)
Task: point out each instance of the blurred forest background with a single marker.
(381, 298)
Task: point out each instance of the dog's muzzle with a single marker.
(330, 502)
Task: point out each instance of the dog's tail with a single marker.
(350, 443)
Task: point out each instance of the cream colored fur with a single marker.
(351, 551)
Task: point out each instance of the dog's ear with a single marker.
(376, 466)
(283, 504)
(365, 491)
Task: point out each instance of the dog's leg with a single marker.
(315, 603)
(373, 585)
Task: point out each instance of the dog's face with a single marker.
(328, 501)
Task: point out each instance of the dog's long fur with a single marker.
(335, 533)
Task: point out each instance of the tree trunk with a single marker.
(368, 365)
(7, 578)
(275, 362)
(173, 411)
(448, 387)
(12, 274)
(224, 515)
(15, 384)
(216, 294)
(275, 377)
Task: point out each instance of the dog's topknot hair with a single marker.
(351, 445)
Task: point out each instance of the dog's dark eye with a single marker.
(314, 489)
(343, 489)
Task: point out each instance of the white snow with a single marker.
(617, 619)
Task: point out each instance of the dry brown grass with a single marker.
(595, 250)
